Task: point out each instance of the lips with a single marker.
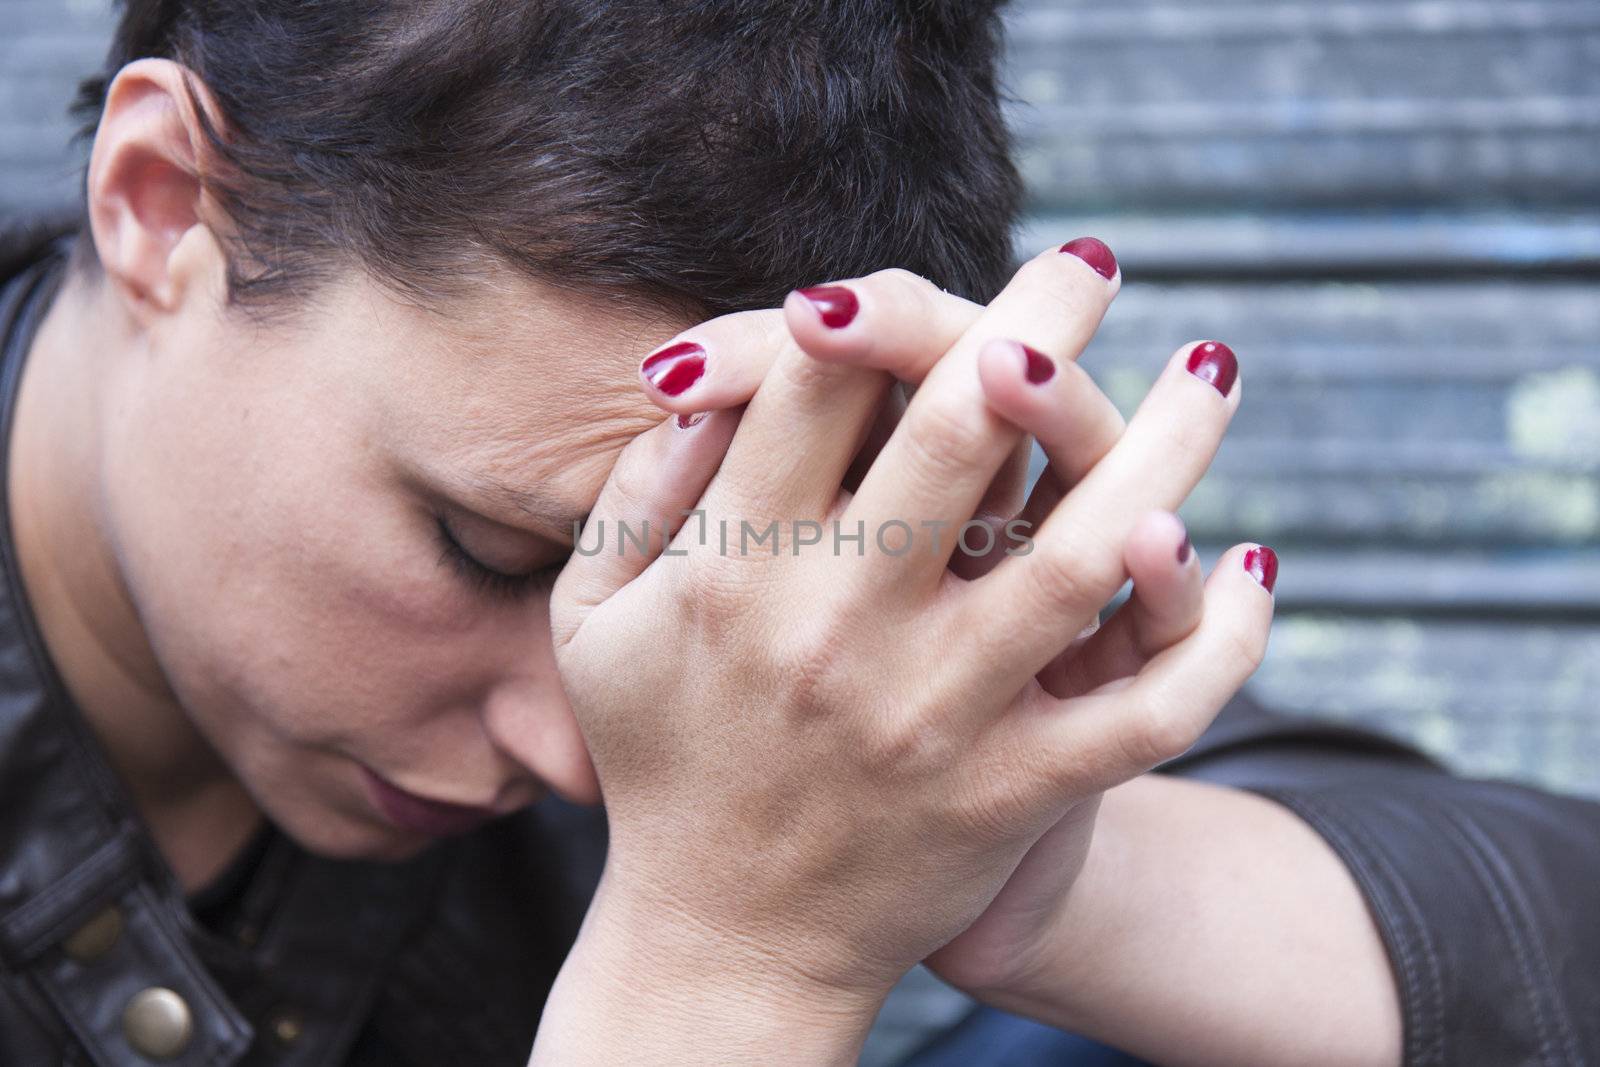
(431, 818)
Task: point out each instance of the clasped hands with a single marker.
(875, 733)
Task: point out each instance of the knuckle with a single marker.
(812, 666)
(1006, 798)
(805, 377)
(1057, 283)
(910, 292)
(1157, 732)
(947, 438)
(896, 745)
(1246, 650)
(720, 592)
(904, 280)
(633, 482)
(811, 651)
(768, 331)
(1069, 577)
(1191, 434)
(992, 807)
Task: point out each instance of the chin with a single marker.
(336, 836)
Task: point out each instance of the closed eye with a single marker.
(486, 580)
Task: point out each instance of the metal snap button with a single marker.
(286, 1026)
(158, 1023)
(96, 937)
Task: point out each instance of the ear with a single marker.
(148, 208)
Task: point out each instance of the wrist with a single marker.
(647, 983)
(1076, 934)
(1011, 945)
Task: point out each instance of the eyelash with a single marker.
(485, 579)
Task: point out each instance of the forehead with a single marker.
(522, 391)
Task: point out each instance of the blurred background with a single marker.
(1391, 210)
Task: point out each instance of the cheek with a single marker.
(278, 586)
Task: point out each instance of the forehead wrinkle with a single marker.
(567, 422)
(511, 304)
(554, 479)
(544, 395)
(585, 380)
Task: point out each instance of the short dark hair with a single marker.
(707, 155)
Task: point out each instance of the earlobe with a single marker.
(145, 191)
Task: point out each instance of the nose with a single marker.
(530, 722)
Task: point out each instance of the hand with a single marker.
(1010, 947)
(860, 324)
(1077, 425)
(802, 778)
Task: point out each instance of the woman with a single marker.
(346, 364)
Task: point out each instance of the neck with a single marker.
(195, 808)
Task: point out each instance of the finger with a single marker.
(1000, 503)
(1113, 734)
(1006, 494)
(892, 321)
(1164, 608)
(998, 511)
(1074, 422)
(900, 323)
(883, 424)
(657, 479)
(716, 364)
(1074, 564)
(1047, 493)
(948, 447)
(796, 440)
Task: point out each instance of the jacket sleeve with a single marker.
(1487, 894)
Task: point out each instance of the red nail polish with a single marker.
(686, 422)
(1040, 367)
(1185, 550)
(1214, 362)
(682, 348)
(1262, 563)
(1094, 252)
(675, 368)
(836, 304)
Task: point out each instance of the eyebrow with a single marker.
(554, 515)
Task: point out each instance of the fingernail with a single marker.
(1262, 563)
(675, 368)
(686, 422)
(1214, 362)
(1094, 252)
(1039, 367)
(1185, 550)
(836, 304)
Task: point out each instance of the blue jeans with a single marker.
(991, 1038)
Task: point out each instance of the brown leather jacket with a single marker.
(1487, 894)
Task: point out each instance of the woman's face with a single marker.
(340, 532)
